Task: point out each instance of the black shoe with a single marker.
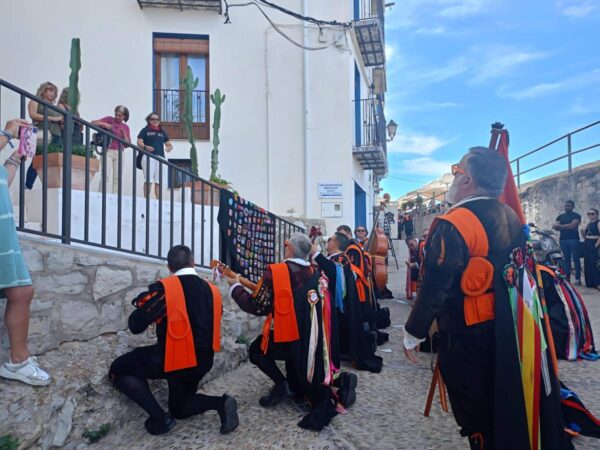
(278, 393)
(157, 427)
(347, 391)
(228, 414)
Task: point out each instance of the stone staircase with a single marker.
(77, 328)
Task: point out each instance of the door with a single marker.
(360, 206)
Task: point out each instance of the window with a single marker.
(172, 55)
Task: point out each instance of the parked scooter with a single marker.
(546, 247)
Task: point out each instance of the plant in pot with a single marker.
(210, 194)
(55, 150)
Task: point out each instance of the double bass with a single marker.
(377, 246)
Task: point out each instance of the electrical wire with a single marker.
(334, 23)
(275, 27)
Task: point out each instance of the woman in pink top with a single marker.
(117, 126)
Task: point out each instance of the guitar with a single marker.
(223, 269)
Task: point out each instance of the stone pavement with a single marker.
(388, 413)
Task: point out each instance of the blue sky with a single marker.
(456, 66)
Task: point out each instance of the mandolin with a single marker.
(223, 269)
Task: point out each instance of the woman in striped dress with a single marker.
(15, 282)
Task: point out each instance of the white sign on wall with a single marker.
(329, 209)
(331, 190)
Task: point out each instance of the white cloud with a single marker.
(567, 84)
(431, 31)
(429, 106)
(416, 143)
(454, 68)
(583, 105)
(500, 62)
(426, 14)
(424, 166)
(461, 8)
(389, 52)
(577, 8)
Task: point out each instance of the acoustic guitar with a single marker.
(223, 269)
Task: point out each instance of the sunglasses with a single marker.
(361, 231)
(455, 169)
(591, 214)
(154, 119)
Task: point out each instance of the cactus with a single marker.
(75, 65)
(217, 100)
(189, 84)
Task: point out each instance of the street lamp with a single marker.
(392, 127)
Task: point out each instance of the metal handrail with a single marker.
(569, 153)
(204, 234)
(372, 123)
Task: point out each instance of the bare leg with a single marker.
(156, 190)
(146, 190)
(16, 318)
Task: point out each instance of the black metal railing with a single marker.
(372, 123)
(169, 105)
(93, 207)
(369, 9)
(565, 153)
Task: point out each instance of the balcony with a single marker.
(370, 149)
(206, 5)
(368, 33)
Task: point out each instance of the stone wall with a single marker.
(78, 321)
(543, 199)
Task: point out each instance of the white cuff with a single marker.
(314, 257)
(410, 342)
(233, 286)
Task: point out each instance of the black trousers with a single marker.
(281, 352)
(591, 257)
(130, 371)
(466, 362)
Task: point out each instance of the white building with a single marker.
(292, 118)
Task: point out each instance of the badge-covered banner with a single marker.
(250, 234)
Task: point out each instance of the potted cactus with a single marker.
(211, 195)
(55, 151)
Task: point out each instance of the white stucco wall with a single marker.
(262, 131)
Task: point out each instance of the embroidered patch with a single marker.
(313, 297)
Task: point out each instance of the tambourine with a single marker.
(152, 304)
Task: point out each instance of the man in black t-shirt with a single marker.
(567, 223)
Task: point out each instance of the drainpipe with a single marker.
(306, 108)
(268, 143)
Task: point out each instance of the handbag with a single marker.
(138, 160)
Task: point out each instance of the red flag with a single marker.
(510, 196)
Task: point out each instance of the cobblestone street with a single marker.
(388, 413)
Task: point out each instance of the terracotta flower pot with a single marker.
(55, 170)
(210, 189)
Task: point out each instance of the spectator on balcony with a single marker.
(153, 139)
(116, 125)
(63, 103)
(47, 92)
(15, 282)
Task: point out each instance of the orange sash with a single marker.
(180, 352)
(217, 313)
(285, 326)
(478, 277)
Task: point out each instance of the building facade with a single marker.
(302, 131)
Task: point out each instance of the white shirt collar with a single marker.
(186, 271)
(471, 199)
(334, 254)
(299, 261)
